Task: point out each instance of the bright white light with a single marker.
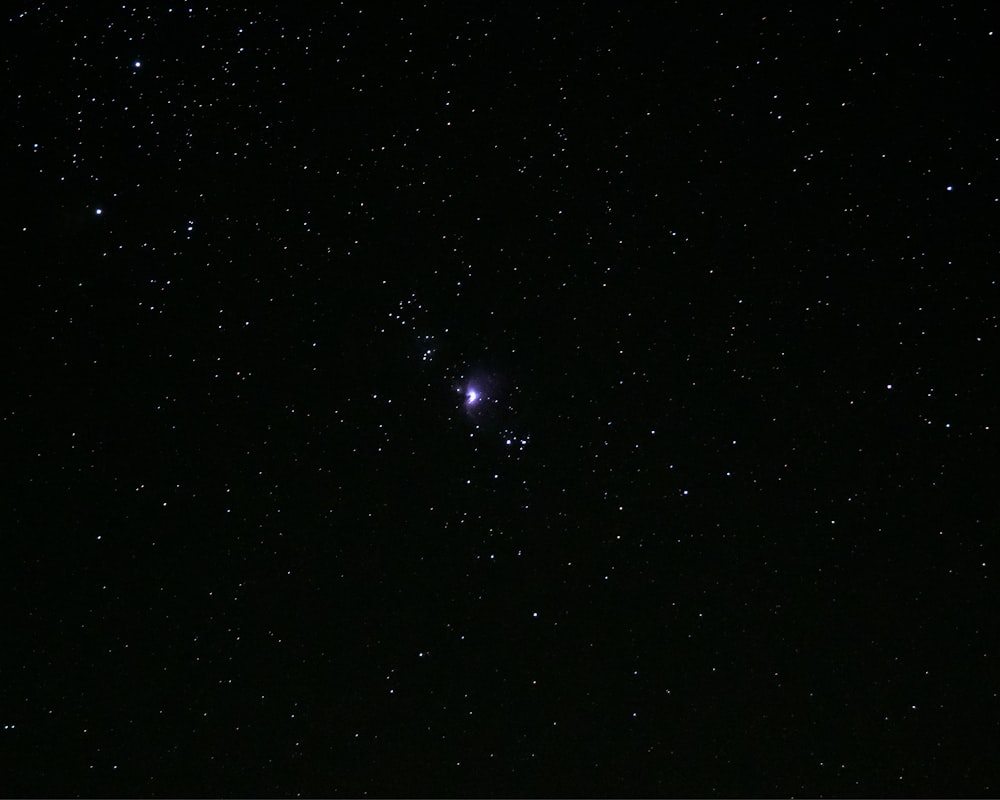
(98, 211)
(137, 64)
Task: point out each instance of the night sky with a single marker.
(466, 400)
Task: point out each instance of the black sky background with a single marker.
(724, 522)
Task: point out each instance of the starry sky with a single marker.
(554, 399)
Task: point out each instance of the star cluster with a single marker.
(435, 400)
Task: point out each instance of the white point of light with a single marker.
(99, 211)
(137, 64)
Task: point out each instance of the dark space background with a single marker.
(722, 518)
